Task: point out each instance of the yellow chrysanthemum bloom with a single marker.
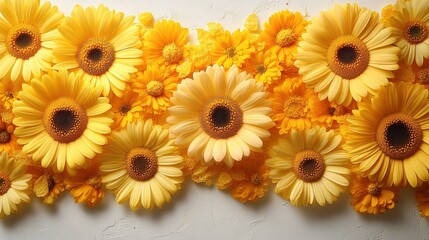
(14, 184)
(164, 44)
(346, 54)
(309, 167)
(208, 38)
(89, 47)
(142, 164)
(371, 197)
(409, 24)
(61, 120)
(252, 23)
(47, 185)
(295, 106)
(282, 33)
(265, 67)
(8, 140)
(27, 32)
(387, 135)
(422, 199)
(127, 109)
(202, 172)
(220, 115)
(155, 87)
(232, 49)
(85, 186)
(146, 19)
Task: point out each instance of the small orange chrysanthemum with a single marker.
(127, 109)
(8, 140)
(371, 197)
(232, 48)
(265, 67)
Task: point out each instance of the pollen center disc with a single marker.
(221, 117)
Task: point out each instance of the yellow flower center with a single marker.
(221, 117)
(261, 69)
(348, 57)
(422, 76)
(415, 32)
(172, 53)
(230, 52)
(5, 183)
(309, 166)
(295, 107)
(399, 136)
(4, 137)
(23, 41)
(65, 120)
(374, 189)
(155, 88)
(141, 164)
(256, 179)
(95, 56)
(286, 37)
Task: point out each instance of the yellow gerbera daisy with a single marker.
(422, 198)
(155, 87)
(309, 167)
(220, 115)
(282, 33)
(142, 164)
(164, 44)
(295, 106)
(371, 197)
(14, 184)
(346, 53)
(409, 24)
(265, 67)
(387, 135)
(232, 49)
(61, 120)
(100, 45)
(27, 32)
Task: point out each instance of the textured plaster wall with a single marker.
(198, 212)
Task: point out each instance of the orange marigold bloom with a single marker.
(8, 140)
(422, 198)
(282, 33)
(265, 67)
(9, 93)
(86, 186)
(127, 109)
(371, 197)
(295, 105)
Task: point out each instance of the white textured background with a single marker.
(198, 212)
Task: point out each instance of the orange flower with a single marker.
(127, 109)
(371, 197)
(422, 198)
(47, 184)
(85, 187)
(201, 172)
(233, 48)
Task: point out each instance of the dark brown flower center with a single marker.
(65, 120)
(4, 137)
(96, 56)
(422, 76)
(415, 32)
(5, 183)
(23, 41)
(221, 117)
(309, 166)
(348, 57)
(142, 164)
(374, 189)
(399, 136)
(125, 109)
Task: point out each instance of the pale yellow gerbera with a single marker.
(155, 87)
(387, 136)
(282, 33)
(220, 115)
(232, 48)
(100, 45)
(164, 44)
(409, 24)
(27, 33)
(14, 185)
(61, 120)
(142, 164)
(346, 54)
(309, 167)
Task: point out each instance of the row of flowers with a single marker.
(95, 101)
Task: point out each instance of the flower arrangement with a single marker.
(95, 101)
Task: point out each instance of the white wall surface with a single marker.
(198, 212)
